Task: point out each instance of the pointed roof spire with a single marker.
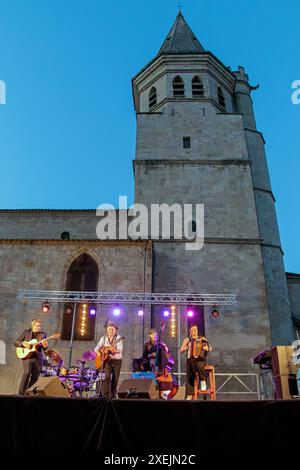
(181, 39)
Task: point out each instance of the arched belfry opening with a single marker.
(82, 275)
(178, 87)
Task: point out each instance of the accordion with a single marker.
(199, 348)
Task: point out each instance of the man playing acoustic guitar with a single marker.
(109, 349)
(33, 364)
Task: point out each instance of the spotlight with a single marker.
(215, 313)
(140, 312)
(45, 307)
(166, 312)
(116, 311)
(69, 309)
(190, 312)
(93, 311)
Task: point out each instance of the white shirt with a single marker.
(117, 343)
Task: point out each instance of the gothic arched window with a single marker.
(83, 275)
(152, 98)
(197, 87)
(221, 97)
(178, 87)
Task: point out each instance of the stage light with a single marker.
(140, 312)
(190, 313)
(116, 311)
(69, 309)
(215, 313)
(83, 325)
(45, 307)
(173, 321)
(166, 312)
(93, 311)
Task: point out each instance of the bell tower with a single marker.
(197, 143)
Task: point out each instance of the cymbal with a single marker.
(54, 356)
(89, 356)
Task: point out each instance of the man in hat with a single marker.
(113, 343)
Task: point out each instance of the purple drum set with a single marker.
(81, 380)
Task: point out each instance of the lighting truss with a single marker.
(144, 298)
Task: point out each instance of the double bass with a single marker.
(163, 367)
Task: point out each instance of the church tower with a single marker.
(197, 143)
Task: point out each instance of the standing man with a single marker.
(149, 353)
(33, 365)
(112, 344)
(197, 348)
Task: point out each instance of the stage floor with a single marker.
(145, 426)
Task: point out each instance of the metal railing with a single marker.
(228, 384)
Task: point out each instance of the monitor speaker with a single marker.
(138, 388)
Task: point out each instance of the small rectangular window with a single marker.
(186, 142)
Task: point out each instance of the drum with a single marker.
(48, 371)
(90, 374)
(74, 374)
(63, 372)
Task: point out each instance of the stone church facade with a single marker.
(197, 143)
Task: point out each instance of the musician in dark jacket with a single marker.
(149, 353)
(32, 366)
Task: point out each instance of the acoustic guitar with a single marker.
(25, 353)
(104, 353)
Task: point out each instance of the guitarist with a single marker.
(112, 367)
(32, 366)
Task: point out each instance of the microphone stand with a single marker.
(100, 394)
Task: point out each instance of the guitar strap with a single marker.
(114, 340)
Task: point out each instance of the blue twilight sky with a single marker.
(67, 132)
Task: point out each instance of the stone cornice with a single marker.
(186, 99)
(47, 212)
(256, 132)
(216, 241)
(268, 191)
(156, 162)
(14, 241)
(85, 211)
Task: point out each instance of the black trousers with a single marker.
(32, 370)
(193, 366)
(112, 373)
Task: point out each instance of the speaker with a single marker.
(282, 361)
(48, 387)
(286, 386)
(138, 388)
(180, 395)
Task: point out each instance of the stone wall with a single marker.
(123, 267)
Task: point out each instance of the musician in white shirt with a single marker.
(113, 364)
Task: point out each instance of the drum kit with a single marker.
(81, 380)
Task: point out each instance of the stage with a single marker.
(146, 426)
